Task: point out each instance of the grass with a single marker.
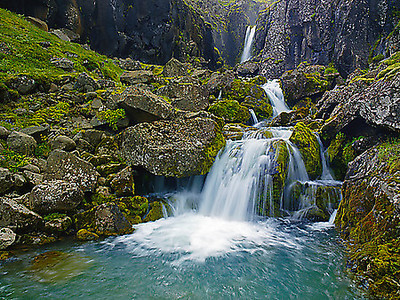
(22, 53)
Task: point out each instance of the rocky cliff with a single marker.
(346, 33)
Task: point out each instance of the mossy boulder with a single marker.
(340, 153)
(155, 213)
(368, 218)
(85, 235)
(178, 148)
(308, 145)
(122, 183)
(230, 111)
(104, 220)
(133, 208)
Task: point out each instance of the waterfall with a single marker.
(254, 119)
(248, 44)
(276, 97)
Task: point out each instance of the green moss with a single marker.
(212, 150)
(155, 213)
(230, 111)
(54, 216)
(111, 117)
(340, 153)
(308, 146)
(133, 208)
(315, 83)
(12, 160)
(23, 53)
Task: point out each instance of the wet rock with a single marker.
(155, 213)
(143, 106)
(55, 196)
(85, 235)
(178, 148)
(18, 217)
(236, 131)
(308, 145)
(21, 143)
(66, 166)
(105, 219)
(58, 225)
(7, 238)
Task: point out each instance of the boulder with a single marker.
(21, 143)
(55, 196)
(144, 106)
(220, 81)
(63, 63)
(58, 225)
(38, 23)
(178, 148)
(122, 183)
(105, 219)
(369, 214)
(39, 133)
(63, 142)
(66, 166)
(247, 68)
(174, 68)
(7, 238)
(18, 217)
(129, 64)
(137, 77)
(24, 84)
(84, 83)
(308, 145)
(186, 96)
(230, 111)
(155, 213)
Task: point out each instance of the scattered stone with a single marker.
(33, 178)
(63, 142)
(129, 64)
(60, 34)
(21, 143)
(85, 83)
(247, 68)
(174, 68)
(55, 196)
(137, 77)
(62, 63)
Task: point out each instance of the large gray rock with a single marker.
(21, 143)
(55, 196)
(143, 106)
(66, 166)
(84, 83)
(63, 142)
(10, 181)
(7, 238)
(174, 68)
(178, 148)
(18, 217)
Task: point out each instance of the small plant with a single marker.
(111, 117)
(12, 160)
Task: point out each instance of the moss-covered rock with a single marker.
(308, 145)
(105, 220)
(85, 235)
(178, 148)
(133, 208)
(340, 153)
(368, 218)
(230, 111)
(155, 213)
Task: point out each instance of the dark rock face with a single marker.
(152, 31)
(177, 148)
(321, 32)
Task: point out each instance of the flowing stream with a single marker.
(217, 243)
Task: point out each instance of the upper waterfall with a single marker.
(248, 43)
(276, 97)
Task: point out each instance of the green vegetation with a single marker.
(230, 111)
(28, 50)
(111, 117)
(12, 160)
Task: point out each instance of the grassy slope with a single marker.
(21, 53)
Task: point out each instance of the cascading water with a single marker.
(216, 244)
(276, 97)
(248, 44)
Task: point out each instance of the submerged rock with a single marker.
(178, 148)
